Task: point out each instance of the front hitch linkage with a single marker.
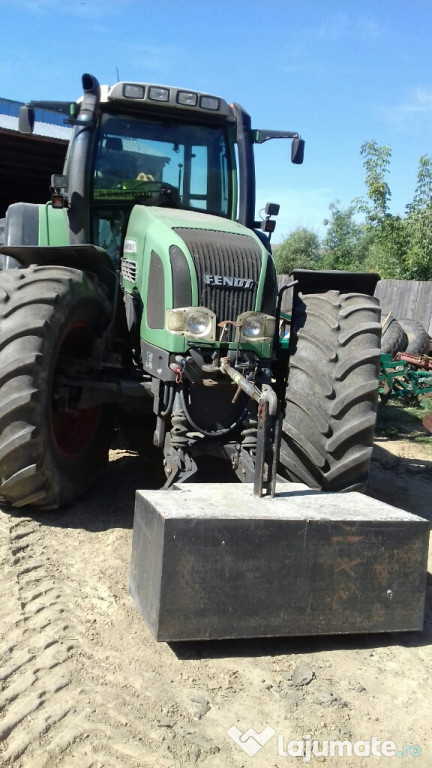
(269, 430)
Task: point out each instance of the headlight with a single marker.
(158, 94)
(252, 326)
(196, 322)
(188, 98)
(255, 326)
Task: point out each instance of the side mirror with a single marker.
(297, 151)
(26, 119)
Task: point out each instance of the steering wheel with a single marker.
(167, 194)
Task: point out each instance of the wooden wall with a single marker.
(403, 298)
(407, 298)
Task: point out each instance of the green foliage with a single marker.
(300, 249)
(388, 252)
(376, 165)
(346, 244)
(419, 224)
(396, 420)
(394, 246)
(423, 193)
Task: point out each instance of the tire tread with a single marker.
(328, 445)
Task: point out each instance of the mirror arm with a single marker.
(259, 137)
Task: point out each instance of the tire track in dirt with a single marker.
(83, 683)
(46, 702)
(36, 667)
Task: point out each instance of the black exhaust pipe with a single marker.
(79, 162)
(91, 99)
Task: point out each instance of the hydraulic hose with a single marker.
(240, 380)
(169, 405)
(217, 432)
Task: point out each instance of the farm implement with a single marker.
(406, 376)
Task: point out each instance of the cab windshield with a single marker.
(162, 163)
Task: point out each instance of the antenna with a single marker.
(118, 76)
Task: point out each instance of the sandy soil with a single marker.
(84, 685)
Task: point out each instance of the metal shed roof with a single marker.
(27, 161)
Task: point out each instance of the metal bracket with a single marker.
(268, 443)
(179, 466)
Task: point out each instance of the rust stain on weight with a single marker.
(348, 539)
(345, 565)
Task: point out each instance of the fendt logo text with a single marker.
(229, 282)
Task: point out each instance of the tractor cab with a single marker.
(137, 143)
(172, 163)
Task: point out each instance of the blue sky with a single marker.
(339, 72)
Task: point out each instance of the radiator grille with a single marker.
(224, 255)
(129, 270)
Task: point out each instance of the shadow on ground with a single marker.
(402, 481)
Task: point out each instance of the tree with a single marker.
(388, 234)
(419, 224)
(423, 193)
(376, 164)
(398, 247)
(346, 244)
(300, 249)
(389, 247)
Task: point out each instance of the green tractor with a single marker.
(146, 281)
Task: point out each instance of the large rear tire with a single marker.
(332, 390)
(50, 451)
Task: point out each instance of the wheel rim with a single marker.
(73, 430)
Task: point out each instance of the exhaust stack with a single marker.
(78, 162)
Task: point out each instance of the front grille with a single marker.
(129, 270)
(223, 256)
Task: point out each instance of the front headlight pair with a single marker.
(197, 322)
(200, 323)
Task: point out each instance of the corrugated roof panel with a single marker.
(40, 129)
(8, 122)
(52, 124)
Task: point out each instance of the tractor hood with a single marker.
(165, 220)
(173, 258)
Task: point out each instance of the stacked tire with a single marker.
(394, 338)
(418, 340)
(404, 335)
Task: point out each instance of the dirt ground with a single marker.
(84, 685)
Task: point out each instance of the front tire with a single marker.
(332, 390)
(50, 451)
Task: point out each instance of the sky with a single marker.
(339, 72)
